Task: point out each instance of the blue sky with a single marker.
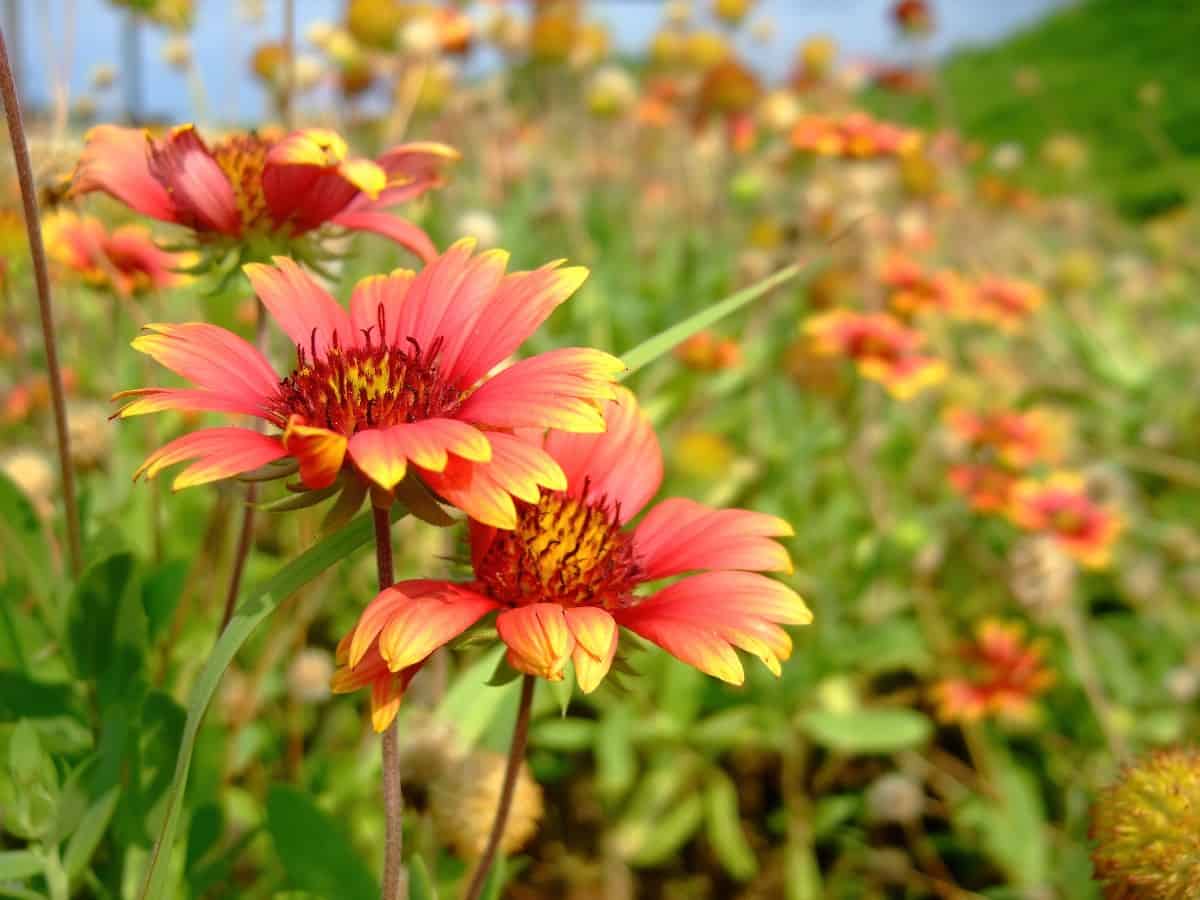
(223, 43)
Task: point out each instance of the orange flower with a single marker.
(125, 260)
(882, 347)
(707, 352)
(397, 386)
(1017, 439)
(856, 136)
(914, 290)
(1060, 506)
(1007, 674)
(1003, 302)
(259, 185)
(913, 16)
(566, 578)
(987, 488)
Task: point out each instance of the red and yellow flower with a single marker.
(397, 386)
(705, 351)
(1006, 675)
(986, 487)
(882, 347)
(1006, 303)
(1062, 507)
(1017, 439)
(854, 136)
(125, 260)
(566, 579)
(914, 290)
(260, 185)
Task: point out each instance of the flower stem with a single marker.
(16, 133)
(516, 754)
(246, 531)
(394, 885)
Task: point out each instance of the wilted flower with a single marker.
(308, 675)
(1003, 302)
(1005, 676)
(90, 430)
(1145, 829)
(396, 386)
(882, 347)
(259, 187)
(464, 798)
(1061, 506)
(1041, 574)
(125, 260)
(565, 579)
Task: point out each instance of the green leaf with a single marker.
(23, 698)
(868, 730)
(725, 828)
(652, 348)
(616, 763)
(95, 607)
(496, 880)
(468, 705)
(17, 865)
(161, 592)
(420, 883)
(662, 838)
(86, 837)
(248, 616)
(21, 536)
(316, 854)
(565, 735)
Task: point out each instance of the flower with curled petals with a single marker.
(1061, 507)
(397, 385)
(567, 578)
(1007, 673)
(261, 186)
(126, 259)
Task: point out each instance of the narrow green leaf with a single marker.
(316, 853)
(420, 883)
(84, 840)
(724, 828)
(94, 610)
(248, 616)
(652, 348)
(17, 865)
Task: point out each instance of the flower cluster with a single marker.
(1005, 675)
(882, 347)
(852, 136)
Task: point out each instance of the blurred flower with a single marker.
(33, 394)
(731, 12)
(1144, 827)
(1008, 156)
(914, 290)
(125, 260)
(90, 430)
(464, 799)
(763, 30)
(103, 77)
(430, 748)
(1006, 675)
(309, 674)
(269, 65)
(882, 347)
(509, 32)
(986, 488)
(177, 52)
(1060, 506)
(479, 225)
(1003, 302)
(705, 351)
(374, 23)
(895, 797)
(856, 136)
(703, 455)
(321, 33)
(564, 579)
(667, 49)
(553, 33)
(728, 88)
(1027, 80)
(1065, 152)
(1150, 93)
(913, 16)
(592, 43)
(33, 475)
(677, 12)
(705, 49)
(1015, 438)
(419, 36)
(816, 57)
(1078, 270)
(611, 92)
(1182, 683)
(779, 110)
(388, 389)
(257, 186)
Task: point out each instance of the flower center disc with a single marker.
(242, 158)
(564, 551)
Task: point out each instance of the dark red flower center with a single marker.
(242, 158)
(564, 550)
(373, 385)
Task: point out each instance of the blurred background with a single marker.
(977, 401)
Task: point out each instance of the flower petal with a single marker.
(319, 451)
(210, 357)
(624, 463)
(428, 616)
(152, 400)
(595, 635)
(383, 454)
(538, 639)
(701, 618)
(203, 197)
(114, 160)
(307, 179)
(380, 454)
(218, 453)
(376, 296)
(304, 310)
(403, 232)
(560, 389)
(519, 305)
(679, 535)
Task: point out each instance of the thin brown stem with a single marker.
(394, 884)
(16, 134)
(246, 531)
(516, 754)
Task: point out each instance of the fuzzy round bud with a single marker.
(91, 436)
(480, 225)
(429, 749)
(464, 799)
(611, 92)
(177, 51)
(895, 798)
(1145, 829)
(33, 475)
(420, 36)
(104, 76)
(308, 675)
